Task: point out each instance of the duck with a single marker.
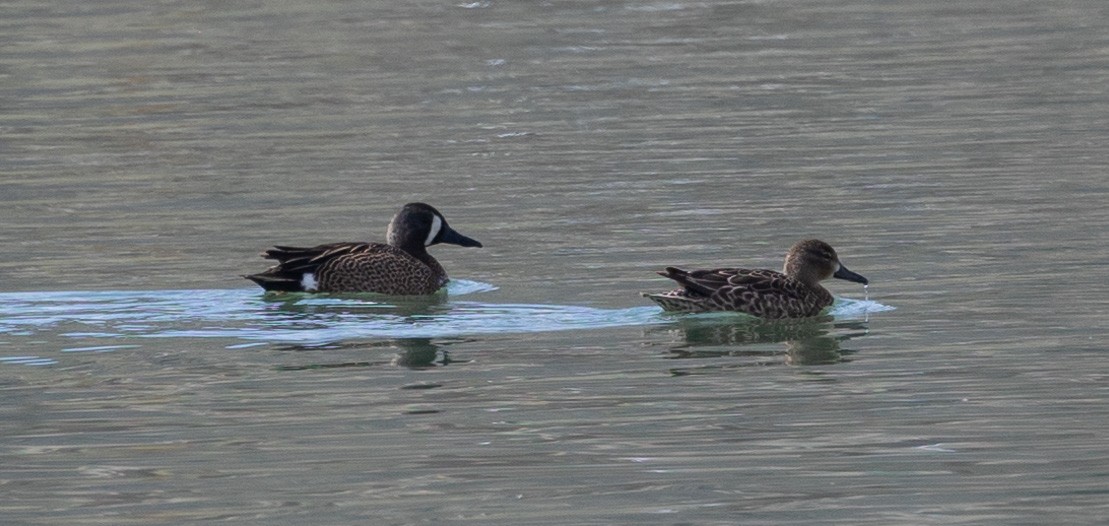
(795, 292)
(400, 267)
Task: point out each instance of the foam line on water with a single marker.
(245, 314)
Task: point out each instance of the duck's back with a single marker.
(381, 268)
(758, 292)
(351, 267)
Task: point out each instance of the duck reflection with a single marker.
(312, 305)
(412, 353)
(420, 353)
(809, 341)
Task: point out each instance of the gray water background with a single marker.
(954, 153)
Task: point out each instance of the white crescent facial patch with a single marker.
(436, 226)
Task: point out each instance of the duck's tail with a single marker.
(295, 270)
(678, 300)
(278, 281)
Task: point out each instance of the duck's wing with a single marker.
(298, 269)
(707, 282)
(308, 259)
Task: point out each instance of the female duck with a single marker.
(402, 266)
(793, 293)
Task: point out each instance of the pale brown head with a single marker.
(812, 261)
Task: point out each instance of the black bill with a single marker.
(454, 238)
(843, 273)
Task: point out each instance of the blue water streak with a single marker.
(247, 314)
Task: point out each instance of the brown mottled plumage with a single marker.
(793, 293)
(400, 267)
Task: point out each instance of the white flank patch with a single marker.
(308, 282)
(436, 226)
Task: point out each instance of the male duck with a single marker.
(793, 293)
(400, 267)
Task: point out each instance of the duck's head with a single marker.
(421, 225)
(812, 261)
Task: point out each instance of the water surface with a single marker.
(952, 153)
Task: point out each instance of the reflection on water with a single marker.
(812, 341)
(412, 353)
(417, 353)
(308, 305)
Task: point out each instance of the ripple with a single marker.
(845, 308)
(245, 314)
(26, 360)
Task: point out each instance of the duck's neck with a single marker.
(419, 251)
(798, 273)
(433, 263)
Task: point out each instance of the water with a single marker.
(245, 316)
(953, 154)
